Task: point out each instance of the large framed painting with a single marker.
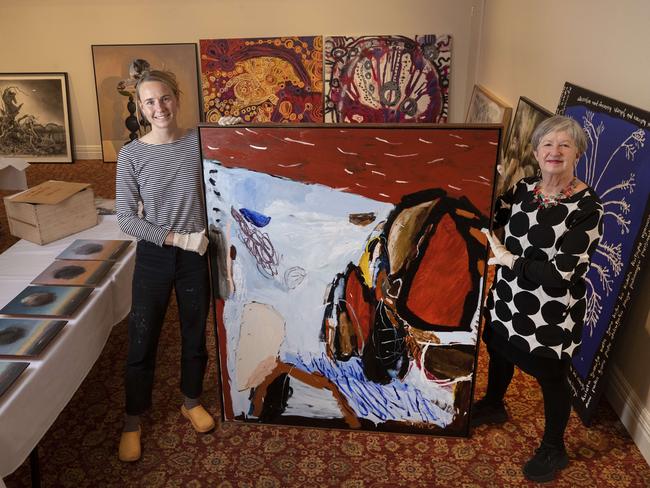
(272, 79)
(387, 78)
(518, 159)
(617, 166)
(35, 117)
(348, 267)
(487, 108)
(118, 68)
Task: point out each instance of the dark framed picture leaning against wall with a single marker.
(34, 117)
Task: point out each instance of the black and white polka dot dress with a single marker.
(539, 305)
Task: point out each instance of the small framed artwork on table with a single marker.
(34, 117)
(486, 108)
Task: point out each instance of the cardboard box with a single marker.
(50, 211)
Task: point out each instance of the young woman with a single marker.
(162, 172)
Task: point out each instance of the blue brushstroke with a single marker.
(255, 218)
(368, 399)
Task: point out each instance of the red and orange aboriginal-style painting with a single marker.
(348, 270)
(387, 78)
(278, 79)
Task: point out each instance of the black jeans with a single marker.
(157, 270)
(551, 376)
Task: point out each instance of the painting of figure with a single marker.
(348, 269)
(617, 166)
(276, 79)
(387, 78)
(117, 70)
(34, 117)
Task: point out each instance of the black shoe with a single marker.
(547, 461)
(486, 412)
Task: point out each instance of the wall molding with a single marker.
(632, 412)
(93, 151)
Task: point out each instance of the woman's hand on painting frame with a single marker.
(501, 256)
(194, 241)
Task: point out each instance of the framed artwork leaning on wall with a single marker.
(270, 79)
(616, 165)
(486, 108)
(518, 158)
(387, 78)
(118, 68)
(34, 117)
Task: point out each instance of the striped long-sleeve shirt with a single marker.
(166, 178)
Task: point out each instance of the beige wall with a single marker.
(530, 48)
(56, 35)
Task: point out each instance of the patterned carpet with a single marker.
(80, 449)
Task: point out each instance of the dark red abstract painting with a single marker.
(349, 271)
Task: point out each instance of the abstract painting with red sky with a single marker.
(348, 270)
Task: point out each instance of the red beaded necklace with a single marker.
(544, 200)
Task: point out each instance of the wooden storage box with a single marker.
(50, 211)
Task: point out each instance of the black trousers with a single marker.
(157, 270)
(551, 374)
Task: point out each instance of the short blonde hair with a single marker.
(166, 77)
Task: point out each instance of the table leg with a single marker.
(34, 468)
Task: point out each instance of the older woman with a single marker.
(536, 306)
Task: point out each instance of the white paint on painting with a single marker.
(260, 336)
(310, 229)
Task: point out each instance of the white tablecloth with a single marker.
(41, 392)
